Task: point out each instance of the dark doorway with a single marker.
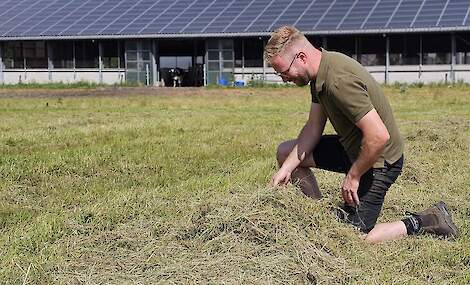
(181, 62)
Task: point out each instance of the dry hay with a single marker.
(268, 236)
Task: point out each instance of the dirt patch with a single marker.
(106, 91)
(146, 91)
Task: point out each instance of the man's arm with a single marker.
(374, 137)
(306, 142)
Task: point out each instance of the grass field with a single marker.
(170, 188)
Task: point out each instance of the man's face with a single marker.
(291, 68)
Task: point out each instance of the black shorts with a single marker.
(330, 155)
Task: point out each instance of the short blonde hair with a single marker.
(281, 39)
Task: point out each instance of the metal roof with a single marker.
(93, 19)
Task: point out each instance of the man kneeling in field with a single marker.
(368, 147)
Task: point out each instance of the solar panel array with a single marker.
(82, 18)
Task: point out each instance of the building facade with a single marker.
(200, 42)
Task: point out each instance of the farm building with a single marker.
(201, 42)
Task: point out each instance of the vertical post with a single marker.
(264, 62)
(453, 57)
(147, 75)
(74, 62)
(119, 53)
(243, 59)
(24, 63)
(125, 61)
(154, 57)
(1, 64)
(356, 48)
(118, 42)
(324, 41)
(50, 63)
(206, 62)
(387, 58)
(100, 62)
(420, 55)
(194, 63)
(221, 58)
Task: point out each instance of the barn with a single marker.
(206, 42)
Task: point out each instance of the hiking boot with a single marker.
(437, 220)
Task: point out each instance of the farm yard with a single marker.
(168, 185)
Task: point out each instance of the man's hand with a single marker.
(349, 190)
(281, 177)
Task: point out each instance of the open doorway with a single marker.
(181, 62)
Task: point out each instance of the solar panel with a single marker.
(126, 18)
(21, 11)
(246, 18)
(405, 14)
(265, 19)
(199, 12)
(12, 8)
(6, 4)
(357, 15)
(185, 17)
(156, 12)
(453, 13)
(290, 15)
(38, 17)
(50, 19)
(334, 15)
(108, 16)
(32, 18)
(165, 20)
(140, 11)
(68, 18)
(429, 14)
(381, 14)
(90, 17)
(466, 20)
(226, 17)
(312, 14)
(146, 18)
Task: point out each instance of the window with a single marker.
(86, 54)
(343, 44)
(462, 42)
(315, 41)
(13, 55)
(253, 52)
(62, 54)
(371, 50)
(404, 49)
(436, 48)
(111, 54)
(238, 52)
(35, 54)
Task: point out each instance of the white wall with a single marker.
(12, 77)
(404, 74)
(462, 72)
(113, 77)
(397, 73)
(65, 76)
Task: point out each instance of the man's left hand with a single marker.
(349, 190)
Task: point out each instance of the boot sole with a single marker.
(448, 218)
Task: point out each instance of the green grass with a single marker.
(62, 85)
(171, 189)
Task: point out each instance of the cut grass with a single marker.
(63, 85)
(171, 189)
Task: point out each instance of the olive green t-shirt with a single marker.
(346, 91)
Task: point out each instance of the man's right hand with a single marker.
(282, 176)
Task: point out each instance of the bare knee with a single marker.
(283, 151)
